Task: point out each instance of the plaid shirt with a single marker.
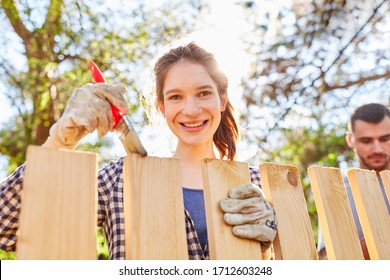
(110, 211)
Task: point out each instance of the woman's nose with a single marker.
(191, 107)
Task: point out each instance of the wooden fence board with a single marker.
(372, 211)
(154, 209)
(59, 209)
(385, 175)
(282, 186)
(334, 214)
(59, 203)
(219, 177)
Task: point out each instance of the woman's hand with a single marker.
(87, 109)
(250, 214)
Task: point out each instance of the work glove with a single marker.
(250, 214)
(88, 109)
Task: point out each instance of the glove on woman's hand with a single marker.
(87, 109)
(250, 214)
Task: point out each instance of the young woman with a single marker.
(191, 94)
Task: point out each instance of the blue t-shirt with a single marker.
(194, 203)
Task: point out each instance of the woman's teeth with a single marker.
(193, 124)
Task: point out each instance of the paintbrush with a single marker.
(122, 123)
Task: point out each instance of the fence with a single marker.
(59, 206)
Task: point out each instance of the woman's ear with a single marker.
(224, 101)
(161, 108)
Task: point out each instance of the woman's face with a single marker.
(192, 106)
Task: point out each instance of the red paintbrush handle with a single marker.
(98, 78)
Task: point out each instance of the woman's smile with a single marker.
(194, 125)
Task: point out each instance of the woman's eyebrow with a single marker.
(204, 87)
(175, 90)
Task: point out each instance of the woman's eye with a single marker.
(205, 93)
(173, 97)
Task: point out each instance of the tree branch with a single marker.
(53, 19)
(13, 15)
(359, 81)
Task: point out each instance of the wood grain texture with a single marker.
(372, 211)
(385, 175)
(219, 177)
(282, 186)
(154, 209)
(334, 214)
(58, 215)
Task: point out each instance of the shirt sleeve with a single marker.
(255, 175)
(10, 192)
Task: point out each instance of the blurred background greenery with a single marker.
(298, 68)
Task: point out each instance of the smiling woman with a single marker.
(194, 100)
(191, 104)
(227, 50)
(191, 93)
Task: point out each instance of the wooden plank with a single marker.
(385, 175)
(154, 209)
(282, 186)
(58, 216)
(334, 214)
(219, 177)
(372, 211)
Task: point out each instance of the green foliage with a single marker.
(7, 255)
(304, 146)
(101, 245)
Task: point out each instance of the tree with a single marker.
(313, 63)
(55, 42)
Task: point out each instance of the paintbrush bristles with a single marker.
(129, 137)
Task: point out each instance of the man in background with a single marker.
(369, 136)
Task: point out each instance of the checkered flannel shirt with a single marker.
(110, 211)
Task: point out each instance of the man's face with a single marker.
(371, 142)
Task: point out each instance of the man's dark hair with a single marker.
(372, 113)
